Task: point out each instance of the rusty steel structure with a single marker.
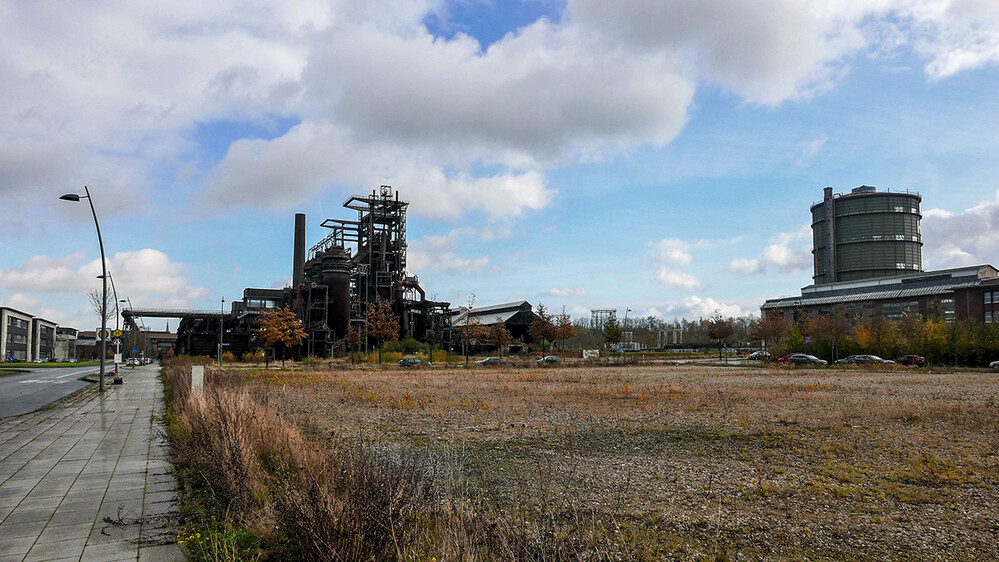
(358, 262)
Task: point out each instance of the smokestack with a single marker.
(298, 275)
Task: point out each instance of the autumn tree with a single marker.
(771, 328)
(833, 326)
(353, 339)
(382, 324)
(499, 335)
(279, 328)
(719, 330)
(564, 330)
(543, 328)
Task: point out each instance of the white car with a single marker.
(994, 364)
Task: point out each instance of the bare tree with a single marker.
(99, 305)
(719, 330)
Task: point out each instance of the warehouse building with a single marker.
(867, 250)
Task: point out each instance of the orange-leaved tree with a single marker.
(564, 330)
(542, 328)
(499, 335)
(383, 325)
(279, 328)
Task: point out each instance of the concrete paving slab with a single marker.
(54, 550)
(161, 553)
(54, 533)
(110, 552)
(20, 545)
(64, 469)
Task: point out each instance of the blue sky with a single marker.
(660, 156)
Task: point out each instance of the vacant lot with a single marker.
(691, 462)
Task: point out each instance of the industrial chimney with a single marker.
(298, 275)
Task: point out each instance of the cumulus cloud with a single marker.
(677, 251)
(437, 253)
(29, 305)
(120, 91)
(765, 51)
(567, 292)
(957, 239)
(677, 279)
(673, 251)
(785, 253)
(138, 274)
(701, 307)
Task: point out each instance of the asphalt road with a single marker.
(21, 393)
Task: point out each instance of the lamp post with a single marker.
(131, 332)
(626, 311)
(75, 197)
(221, 320)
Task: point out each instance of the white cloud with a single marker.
(677, 251)
(142, 274)
(673, 251)
(784, 253)
(957, 239)
(24, 303)
(677, 279)
(743, 266)
(767, 52)
(115, 92)
(699, 307)
(437, 253)
(810, 149)
(568, 292)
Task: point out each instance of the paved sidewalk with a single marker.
(89, 479)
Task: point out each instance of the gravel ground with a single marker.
(743, 463)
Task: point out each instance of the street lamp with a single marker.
(104, 278)
(221, 320)
(131, 332)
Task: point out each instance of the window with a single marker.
(988, 316)
(987, 296)
(947, 306)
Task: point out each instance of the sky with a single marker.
(657, 156)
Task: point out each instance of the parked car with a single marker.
(864, 360)
(758, 355)
(912, 360)
(39, 360)
(802, 359)
(409, 362)
(548, 359)
(491, 361)
(994, 364)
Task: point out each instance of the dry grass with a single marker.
(706, 461)
(653, 462)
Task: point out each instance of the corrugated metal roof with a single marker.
(868, 296)
(485, 319)
(493, 310)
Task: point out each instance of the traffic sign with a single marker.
(117, 333)
(117, 341)
(103, 334)
(135, 350)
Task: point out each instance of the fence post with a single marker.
(197, 378)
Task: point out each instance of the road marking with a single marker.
(42, 381)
